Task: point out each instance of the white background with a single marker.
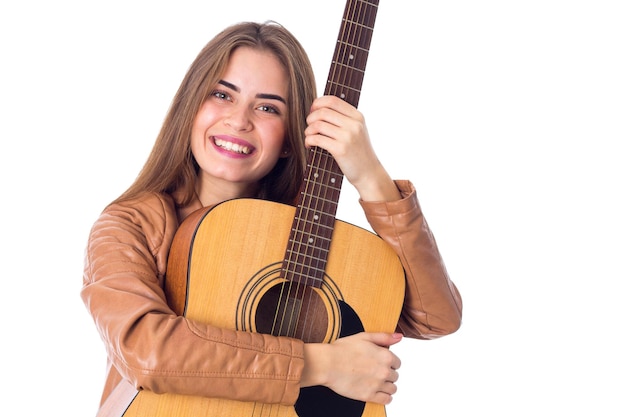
(509, 117)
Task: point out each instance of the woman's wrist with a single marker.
(315, 364)
(378, 186)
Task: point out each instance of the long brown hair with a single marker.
(171, 166)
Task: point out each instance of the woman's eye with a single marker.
(268, 109)
(220, 94)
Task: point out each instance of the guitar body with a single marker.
(224, 269)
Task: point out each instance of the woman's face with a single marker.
(239, 132)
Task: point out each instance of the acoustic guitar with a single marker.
(299, 272)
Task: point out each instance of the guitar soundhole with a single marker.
(295, 312)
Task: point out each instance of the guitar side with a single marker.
(224, 263)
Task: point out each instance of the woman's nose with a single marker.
(239, 118)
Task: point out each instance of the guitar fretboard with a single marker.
(347, 69)
(309, 241)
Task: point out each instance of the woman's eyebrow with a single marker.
(266, 96)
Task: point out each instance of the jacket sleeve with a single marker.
(432, 305)
(147, 343)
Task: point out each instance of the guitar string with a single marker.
(344, 68)
(340, 88)
(309, 214)
(351, 57)
(301, 261)
(328, 170)
(291, 265)
(318, 154)
(340, 72)
(323, 168)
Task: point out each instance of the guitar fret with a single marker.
(307, 266)
(345, 86)
(307, 276)
(332, 187)
(304, 273)
(307, 241)
(351, 46)
(359, 25)
(317, 224)
(352, 59)
(349, 66)
(326, 200)
(332, 179)
(322, 173)
(304, 280)
(321, 169)
(309, 244)
(316, 215)
(312, 196)
(325, 180)
(372, 3)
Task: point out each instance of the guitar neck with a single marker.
(317, 204)
(347, 69)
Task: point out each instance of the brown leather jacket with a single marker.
(152, 348)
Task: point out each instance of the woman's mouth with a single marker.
(232, 146)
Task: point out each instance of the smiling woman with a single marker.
(243, 124)
(239, 132)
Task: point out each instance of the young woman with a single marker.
(239, 126)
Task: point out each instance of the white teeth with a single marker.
(233, 147)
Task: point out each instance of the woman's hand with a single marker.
(339, 127)
(360, 367)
